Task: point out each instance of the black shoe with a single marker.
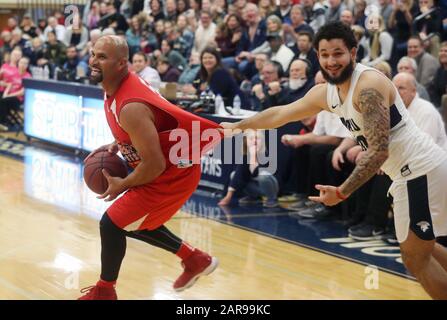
(318, 211)
(350, 223)
(357, 226)
(249, 200)
(303, 204)
(367, 232)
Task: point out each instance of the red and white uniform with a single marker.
(150, 205)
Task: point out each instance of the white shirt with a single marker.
(428, 119)
(151, 76)
(60, 32)
(329, 124)
(411, 152)
(203, 37)
(284, 56)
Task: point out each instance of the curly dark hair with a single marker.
(336, 30)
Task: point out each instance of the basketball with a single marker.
(93, 175)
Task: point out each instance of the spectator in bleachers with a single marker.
(253, 37)
(430, 25)
(283, 11)
(427, 64)
(194, 7)
(386, 8)
(347, 17)
(74, 68)
(250, 178)
(266, 8)
(359, 34)
(159, 34)
(93, 16)
(17, 39)
(14, 92)
(95, 34)
(438, 87)
(205, 33)
(400, 25)
(279, 51)
(271, 76)
(156, 11)
(9, 69)
(170, 32)
(56, 28)
(336, 7)
(297, 26)
(167, 72)
(41, 26)
(424, 114)
(113, 19)
(102, 9)
(5, 39)
(409, 65)
(53, 52)
(306, 51)
(300, 81)
(171, 10)
(260, 59)
(240, 7)
(76, 34)
(175, 58)
(27, 26)
(213, 76)
(191, 71)
(359, 12)
(385, 68)
(228, 35)
(140, 65)
(185, 39)
(314, 14)
(182, 7)
(134, 35)
(380, 45)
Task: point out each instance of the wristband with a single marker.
(340, 195)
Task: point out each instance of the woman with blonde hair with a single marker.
(385, 68)
(380, 44)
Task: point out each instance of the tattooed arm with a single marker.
(373, 101)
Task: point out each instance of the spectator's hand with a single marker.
(113, 25)
(352, 153)
(337, 159)
(258, 91)
(287, 28)
(328, 195)
(250, 57)
(42, 61)
(157, 53)
(143, 44)
(274, 87)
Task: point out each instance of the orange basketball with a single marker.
(93, 175)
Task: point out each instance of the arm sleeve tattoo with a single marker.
(376, 122)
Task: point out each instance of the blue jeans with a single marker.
(264, 185)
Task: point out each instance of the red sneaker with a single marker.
(98, 293)
(197, 264)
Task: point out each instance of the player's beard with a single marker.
(97, 78)
(344, 75)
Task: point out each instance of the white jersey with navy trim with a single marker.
(412, 152)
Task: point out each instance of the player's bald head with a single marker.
(115, 45)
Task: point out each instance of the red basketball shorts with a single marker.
(151, 205)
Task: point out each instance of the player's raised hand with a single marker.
(229, 129)
(115, 187)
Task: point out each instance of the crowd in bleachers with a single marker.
(261, 52)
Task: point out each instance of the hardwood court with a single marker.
(48, 252)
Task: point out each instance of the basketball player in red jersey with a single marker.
(141, 122)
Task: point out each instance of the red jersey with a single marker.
(183, 138)
(177, 128)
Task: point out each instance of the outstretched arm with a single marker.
(312, 103)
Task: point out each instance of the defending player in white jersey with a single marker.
(369, 105)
